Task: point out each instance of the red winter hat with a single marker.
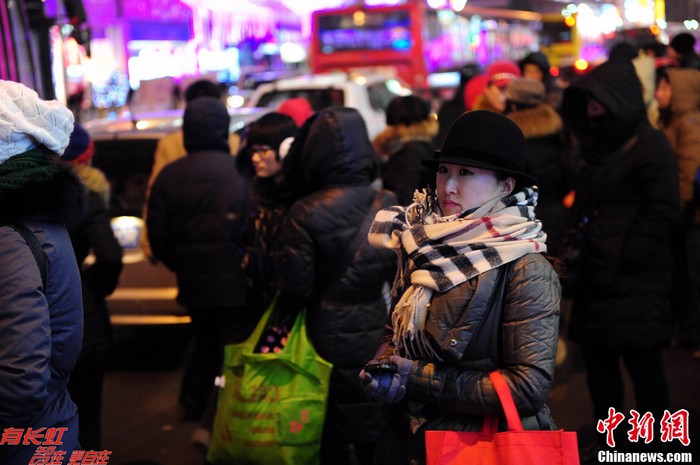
(474, 87)
(297, 108)
(502, 72)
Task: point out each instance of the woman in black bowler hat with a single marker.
(450, 326)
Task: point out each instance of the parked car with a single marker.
(368, 92)
(124, 150)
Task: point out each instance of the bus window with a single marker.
(414, 40)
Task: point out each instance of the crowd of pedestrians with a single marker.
(436, 251)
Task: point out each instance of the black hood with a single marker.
(332, 148)
(616, 86)
(205, 125)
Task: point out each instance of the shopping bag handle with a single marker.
(506, 398)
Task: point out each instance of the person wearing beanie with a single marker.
(267, 143)
(197, 216)
(473, 90)
(474, 294)
(298, 108)
(499, 73)
(548, 154)
(172, 147)
(93, 236)
(41, 324)
(536, 66)
(682, 49)
(407, 139)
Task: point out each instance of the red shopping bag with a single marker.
(513, 447)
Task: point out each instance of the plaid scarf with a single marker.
(438, 253)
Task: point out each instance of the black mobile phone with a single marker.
(380, 367)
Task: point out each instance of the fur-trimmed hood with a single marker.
(390, 140)
(539, 121)
(59, 199)
(95, 181)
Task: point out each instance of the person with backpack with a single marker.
(41, 323)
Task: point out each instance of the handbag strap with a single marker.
(506, 398)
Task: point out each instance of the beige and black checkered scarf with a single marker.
(437, 253)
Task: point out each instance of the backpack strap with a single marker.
(35, 247)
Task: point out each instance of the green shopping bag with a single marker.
(272, 406)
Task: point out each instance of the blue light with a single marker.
(401, 44)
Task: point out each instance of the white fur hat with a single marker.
(27, 121)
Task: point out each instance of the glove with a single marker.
(387, 387)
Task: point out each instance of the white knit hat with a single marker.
(27, 121)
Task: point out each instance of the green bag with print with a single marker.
(272, 406)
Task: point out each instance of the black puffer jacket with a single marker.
(197, 212)
(328, 264)
(628, 189)
(456, 394)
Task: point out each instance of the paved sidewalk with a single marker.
(140, 423)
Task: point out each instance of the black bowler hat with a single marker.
(484, 139)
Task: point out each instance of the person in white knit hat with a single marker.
(40, 297)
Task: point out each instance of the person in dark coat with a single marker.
(453, 108)
(41, 327)
(536, 66)
(682, 49)
(454, 249)
(327, 267)
(407, 139)
(678, 94)
(93, 235)
(628, 191)
(548, 154)
(197, 215)
(267, 142)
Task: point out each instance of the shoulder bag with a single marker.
(272, 406)
(513, 447)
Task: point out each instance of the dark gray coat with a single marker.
(456, 394)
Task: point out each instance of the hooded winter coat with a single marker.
(401, 149)
(40, 329)
(328, 264)
(197, 212)
(628, 190)
(547, 162)
(681, 124)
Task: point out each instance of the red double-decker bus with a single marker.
(416, 41)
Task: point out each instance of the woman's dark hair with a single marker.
(271, 129)
(662, 73)
(407, 110)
